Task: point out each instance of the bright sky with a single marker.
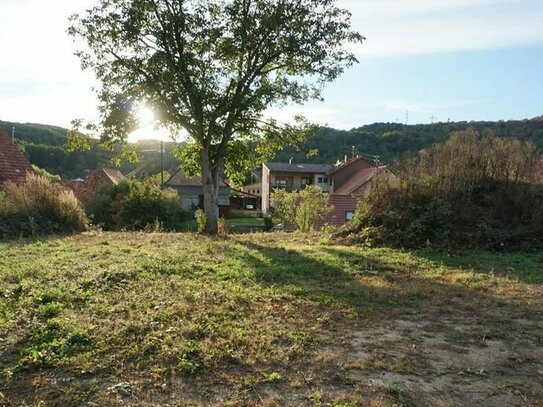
(446, 59)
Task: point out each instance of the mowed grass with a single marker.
(111, 319)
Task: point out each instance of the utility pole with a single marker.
(406, 117)
(161, 164)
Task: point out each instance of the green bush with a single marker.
(39, 207)
(200, 216)
(300, 208)
(135, 205)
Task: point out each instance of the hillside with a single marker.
(265, 320)
(44, 145)
(392, 140)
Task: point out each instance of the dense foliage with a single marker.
(300, 209)
(471, 191)
(39, 207)
(135, 205)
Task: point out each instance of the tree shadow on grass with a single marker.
(525, 267)
(368, 282)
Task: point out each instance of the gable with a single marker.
(13, 164)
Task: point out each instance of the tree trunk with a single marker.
(211, 178)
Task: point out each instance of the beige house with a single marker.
(347, 183)
(293, 177)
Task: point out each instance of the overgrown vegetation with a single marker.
(473, 190)
(140, 319)
(300, 209)
(135, 205)
(39, 207)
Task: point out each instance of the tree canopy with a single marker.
(213, 68)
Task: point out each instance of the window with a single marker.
(319, 180)
(306, 181)
(283, 181)
(325, 181)
(349, 215)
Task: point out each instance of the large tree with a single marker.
(212, 68)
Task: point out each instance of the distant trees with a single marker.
(393, 141)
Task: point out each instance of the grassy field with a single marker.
(128, 319)
(241, 221)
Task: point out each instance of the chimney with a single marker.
(290, 160)
(13, 135)
(345, 160)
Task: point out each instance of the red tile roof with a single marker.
(358, 180)
(13, 164)
(96, 180)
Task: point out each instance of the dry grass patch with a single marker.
(265, 319)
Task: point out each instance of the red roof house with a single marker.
(87, 189)
(13, 164)
(353, 181)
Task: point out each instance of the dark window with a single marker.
(325, 181)
(319, 180)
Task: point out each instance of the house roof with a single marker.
(13, 164)
(346, 164)
(299, 168)
(180, 179)
(358, 180)
(115, 176)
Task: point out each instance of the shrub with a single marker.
(39, 207)
(300, 208)
(472, 191)
(135, 205)
(221, 227)
(200, 220)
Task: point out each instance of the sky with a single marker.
(423, 61)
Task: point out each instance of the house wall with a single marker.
(190, 196)
(342, 204)
(253, 189)
(265, 189)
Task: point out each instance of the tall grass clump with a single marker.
(472, 191)
(39, 207)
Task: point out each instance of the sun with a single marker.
(145, 116)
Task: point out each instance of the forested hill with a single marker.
(44, 146)
(392, 140)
